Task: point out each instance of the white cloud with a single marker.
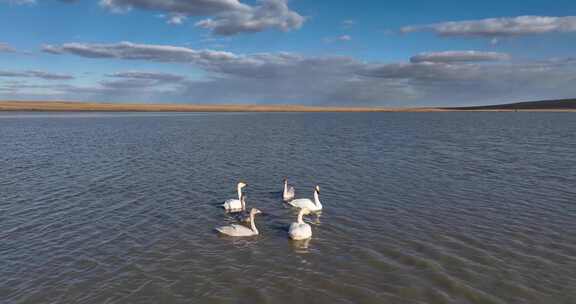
(157, 76)
(225, 17)
(138, 79)
(5, 48)
(133, 51)
(176, 19)
(269, 14)
(459, 56)
(499, 27)
(341, 38)
(348, 23)
(35, 74)
(20, 2)
(188, 7)
(344, 38)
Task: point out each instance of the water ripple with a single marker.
(419, 208)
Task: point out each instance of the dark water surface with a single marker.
(419, 208)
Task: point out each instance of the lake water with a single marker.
(418, 208)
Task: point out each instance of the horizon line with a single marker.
(82, 106)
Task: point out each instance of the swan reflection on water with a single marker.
(301, 246)
(315, 220)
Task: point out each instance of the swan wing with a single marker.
(303, 203)
(235, 230)
(232, 204)
(288, 194)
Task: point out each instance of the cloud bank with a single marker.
(437, 78)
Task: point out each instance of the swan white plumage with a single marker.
(288, 193)
(300, 230)
(241, 230)
(313, 206)
(236, 205)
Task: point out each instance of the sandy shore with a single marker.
(61, 106)
(118, 107)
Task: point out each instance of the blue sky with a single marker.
(408, 53)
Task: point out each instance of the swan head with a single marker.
(255, 211)
(242, 184)
(317, 188)
(285, 179)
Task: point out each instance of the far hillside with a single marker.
(561, 104)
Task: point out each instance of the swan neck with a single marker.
(317, 199)
(252, 224)
(300, 215)
(239, 192)
(285, 187)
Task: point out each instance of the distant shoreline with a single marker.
(65, 106)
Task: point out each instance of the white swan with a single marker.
(240, 230)
(313, 206)
(300, 230)
(236, 205)
(288, 193)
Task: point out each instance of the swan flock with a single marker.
(298, 230)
